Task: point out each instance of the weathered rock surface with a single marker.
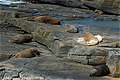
(107, 18)
(115, 44)
(108, 6)
(113, 62)
(21, 38)
(88, 55)
(68, 3)
(47, 67)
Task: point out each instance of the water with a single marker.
(10, 2)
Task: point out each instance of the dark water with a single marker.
(114, 26)
(106, 28)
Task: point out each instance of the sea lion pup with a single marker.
(46, 19)
(28, 53)
(100, 70)
(21, 38)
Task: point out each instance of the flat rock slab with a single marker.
(47, 67)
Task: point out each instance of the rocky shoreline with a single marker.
(61, 57)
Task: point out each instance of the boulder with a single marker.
(88, 55)
(71, 29)
(113, 62)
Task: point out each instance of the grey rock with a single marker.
(113, 62)
(97, 60)
(108, 6)
(4, 56)
(71, 28)
(68, 3)
(114, 44)
(88, 55)
(21, 38)
(47, 68)
(106, 18)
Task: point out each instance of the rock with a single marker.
(107, 6)
(21, 38)
(88, 55)
(88, 39)
(113, 62)
(28, 53)
(68, 3)
(48, 67)
(6, 14)
(13, 14)
(115, 44)
(4, 56)
(101, 70)
(97, 60)
(46, 19)
(107, 18)
(71, 29)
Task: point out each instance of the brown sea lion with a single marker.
(21, 38)
(100, 70)
(28, 53)
(46, 19)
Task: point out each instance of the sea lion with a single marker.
(28, 53)
(21, 38)
(46, 19)
(100, 70)
(88, 39)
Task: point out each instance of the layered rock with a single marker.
(113, 62)
(68, 3)
(88, 55)
(108, 6)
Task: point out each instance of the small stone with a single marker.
(71, 29)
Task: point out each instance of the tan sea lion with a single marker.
(88, 39)
(21, 38)
(28, 53)
(46, 19)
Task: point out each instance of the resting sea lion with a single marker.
(88, 39)
(28, 53)
(21, 38)
(46, 19)
(100, 70)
